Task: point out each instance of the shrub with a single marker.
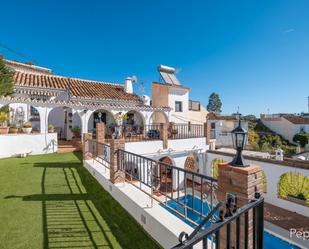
(27, 125)
(215, 167)
(50, 127)
(76, 129)
(302, 138)
(4, 117)
(295, 185)
(6, 80)
(264, 182)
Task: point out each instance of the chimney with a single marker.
(128, 85)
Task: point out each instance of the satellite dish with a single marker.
(134, 79)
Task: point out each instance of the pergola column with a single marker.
(44, 112)
(84, 116)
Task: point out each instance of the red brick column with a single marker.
(86, 136)
(100, 134)
(164, 134)
(207, 132)
(205, 129)
(244, 182)
(116, 175)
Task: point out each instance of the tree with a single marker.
(302, 139)
(6, 80)
(214, 103)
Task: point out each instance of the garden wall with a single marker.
(273, 170)
(15, 144)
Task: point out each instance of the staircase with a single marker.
(69, 146)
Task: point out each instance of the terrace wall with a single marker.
(34, 144)
(273, 170)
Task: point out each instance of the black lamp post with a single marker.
(239, 136)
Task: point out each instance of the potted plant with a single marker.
(27, 127)
(76, 131)
(3, 123)
(51, 128)
(13, 129)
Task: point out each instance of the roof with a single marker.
(78, 88)
(27, 67)
(297, 119)
(213, 116)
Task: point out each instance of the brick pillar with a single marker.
(205, 129)
(100, 134)
(207, 132)
(116, 175)
(86, 136)
(244, 182)
(164, 134)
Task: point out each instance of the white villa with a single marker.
(220, 128)
(286, 125)
(67, 104)
(152, 156)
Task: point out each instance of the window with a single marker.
(194, 105)
(178, 106)
(213, 125)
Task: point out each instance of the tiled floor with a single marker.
(285, 219)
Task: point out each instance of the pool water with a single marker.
(270, 240)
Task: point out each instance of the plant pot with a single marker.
(51, 130)
(4, 130)
(296, 200)
(13, 130)
(76, 134)
(27, 130)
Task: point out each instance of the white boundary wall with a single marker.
(14, 144)
(273, 172)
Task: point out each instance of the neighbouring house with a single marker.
(286, 125)
(170, 92)
(220, 128)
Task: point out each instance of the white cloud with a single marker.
(288, 31)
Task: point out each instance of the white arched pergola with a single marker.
(158, 117)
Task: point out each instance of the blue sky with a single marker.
(255, 54)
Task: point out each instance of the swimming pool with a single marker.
(270, 240)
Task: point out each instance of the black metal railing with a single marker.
(183, 131)
(134, 133)
(232, 229)
(99, 152)
(174, 183)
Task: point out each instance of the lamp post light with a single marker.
(239, 137)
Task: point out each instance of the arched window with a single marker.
(191, 163)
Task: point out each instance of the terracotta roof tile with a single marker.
(77, 87)
(297, 119)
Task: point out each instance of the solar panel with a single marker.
(168, 75)
(166, 78)
(174, 79)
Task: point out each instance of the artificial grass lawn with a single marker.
(51, 201)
